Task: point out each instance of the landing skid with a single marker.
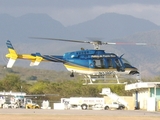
(89, 80)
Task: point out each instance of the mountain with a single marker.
(109, 27)
(20, 28)
(112, 25)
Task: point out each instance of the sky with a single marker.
(70, 12)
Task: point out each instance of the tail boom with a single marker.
(35, 58)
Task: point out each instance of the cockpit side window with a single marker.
(98, 63)
(109, 61)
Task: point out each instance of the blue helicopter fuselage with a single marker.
(95, 62)
(92, 58)
(92, 62)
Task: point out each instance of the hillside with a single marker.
(33, 74)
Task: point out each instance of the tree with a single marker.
(11, 82)
(39, 87)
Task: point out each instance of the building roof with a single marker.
(142, 85)
(12, 93)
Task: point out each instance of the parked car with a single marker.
(113, 105)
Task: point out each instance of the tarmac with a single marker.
(127, 113)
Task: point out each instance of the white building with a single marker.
(146, 95)
(10, 97)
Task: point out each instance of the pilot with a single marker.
(82, 48)
(93, 64)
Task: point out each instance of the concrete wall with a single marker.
(158, 105)
(143, 95)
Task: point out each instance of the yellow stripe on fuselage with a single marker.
(86, 70)
(78, 67)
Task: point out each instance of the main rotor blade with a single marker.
(124, 43)
(66, 40)
(96, 42)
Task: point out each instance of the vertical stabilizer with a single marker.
(12, 55)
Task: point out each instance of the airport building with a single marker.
(146, 95)
(12, 93)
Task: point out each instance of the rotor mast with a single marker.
(96, 44)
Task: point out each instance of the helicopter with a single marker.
(92, 62)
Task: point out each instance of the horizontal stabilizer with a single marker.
(34, 63)
(37, 61)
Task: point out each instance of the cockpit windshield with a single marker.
(126, 63)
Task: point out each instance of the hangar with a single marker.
(146, 95)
